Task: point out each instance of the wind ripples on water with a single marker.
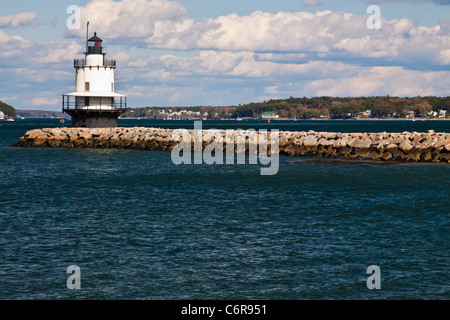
(140, 227)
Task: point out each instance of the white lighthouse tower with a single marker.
(94, 104)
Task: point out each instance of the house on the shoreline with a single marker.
(367, 113)
(268, 115)
(410, 114)
(439, 113)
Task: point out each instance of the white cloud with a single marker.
(312, 3)
(131, 21)
(394, 81)
(162, 24)
(22, 52)
(243, 73)
(233, 59)
(45, 101)
(320, 33)
(17, 20)
(438, 2)
(9, 98)
(12, 46)
(55, 52)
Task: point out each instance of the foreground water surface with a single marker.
(140, 227)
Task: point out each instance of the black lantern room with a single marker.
(94, 45)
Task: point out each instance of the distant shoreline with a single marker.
(256, 119)
(288, 119)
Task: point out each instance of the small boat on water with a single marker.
(9, 119)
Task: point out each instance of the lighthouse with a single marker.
(94, 104)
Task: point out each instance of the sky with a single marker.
(220, 53)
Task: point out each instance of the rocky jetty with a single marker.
(406, 146)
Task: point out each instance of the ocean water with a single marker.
(140, 227)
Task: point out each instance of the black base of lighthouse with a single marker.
(94, 118)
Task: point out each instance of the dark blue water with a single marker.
(140, 227)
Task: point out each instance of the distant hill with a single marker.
(8, 110)
(348, 107)
(309, 108)
(40, 114)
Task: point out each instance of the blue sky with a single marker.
(202, 52)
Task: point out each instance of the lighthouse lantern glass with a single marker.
(94, 44)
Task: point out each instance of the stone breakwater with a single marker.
(406, 146)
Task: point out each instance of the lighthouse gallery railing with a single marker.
(71, 104)
(107, 63)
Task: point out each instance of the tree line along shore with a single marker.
(384, 107)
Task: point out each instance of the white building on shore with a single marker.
(268, 115)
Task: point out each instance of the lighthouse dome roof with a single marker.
(95, 38)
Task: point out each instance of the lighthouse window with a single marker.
(87, 86)
(94, 44)
(86, 101)
(112, 86)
